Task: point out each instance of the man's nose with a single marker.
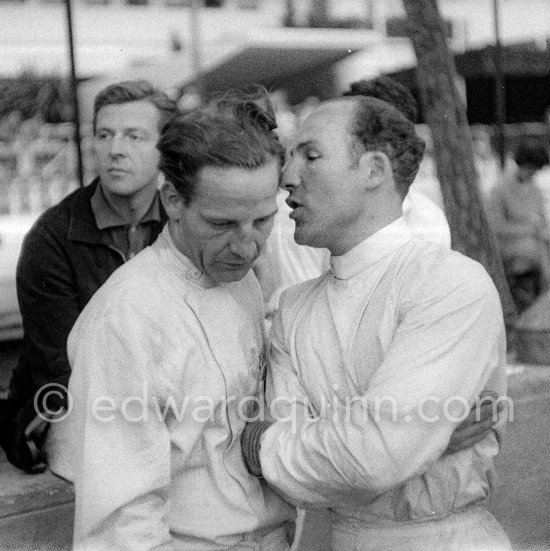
(291, 175)
(117, 146)
(244, 245)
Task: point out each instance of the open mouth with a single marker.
(291, 203)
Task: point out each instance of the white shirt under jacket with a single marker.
(163, 337)
(401, 325)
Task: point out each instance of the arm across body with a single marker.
(488, 414)
(504, 227)
(443, 352)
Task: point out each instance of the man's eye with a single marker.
(312, 155)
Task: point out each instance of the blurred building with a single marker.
(309, 49)
(124, 36)
(111, 35)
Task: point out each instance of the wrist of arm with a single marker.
(250, 444)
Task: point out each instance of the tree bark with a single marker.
(290, 14)
(318, 13)
(445, 113)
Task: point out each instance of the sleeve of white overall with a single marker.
(122, 444)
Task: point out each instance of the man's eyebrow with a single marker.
(131, 129)
(304, 145)
(218, 220)
(214, 218)
(106, 127)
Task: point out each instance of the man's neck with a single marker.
(131, 208)
(364, 229)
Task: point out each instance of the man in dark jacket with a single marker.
(71, 251)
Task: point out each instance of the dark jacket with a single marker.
(64, 260)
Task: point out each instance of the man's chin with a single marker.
(118, 188)
(310, 239)
(301, 237)
(229, 276)
(123, 186)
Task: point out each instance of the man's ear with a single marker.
(172, 200)
(376, 168)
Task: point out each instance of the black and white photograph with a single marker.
(274, 275)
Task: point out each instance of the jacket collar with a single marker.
(83, 225)
(184, 266)
(106, 216)
(370, 251)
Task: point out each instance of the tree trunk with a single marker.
(318, 13)
(290, 14)
(471, 232)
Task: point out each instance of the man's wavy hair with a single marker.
(235, 130)
(135, 90)
(377, 126)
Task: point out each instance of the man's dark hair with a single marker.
(388, 90)
(135, 90)
(235, 130)
(531, 154)
(377, 126)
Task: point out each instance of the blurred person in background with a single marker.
(306, 108)
(486, 162)
(286, 119)
(71, 251)
(10, 125)
(283, 262)
(520, 220)
(542, 180)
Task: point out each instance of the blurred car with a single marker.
(13, 229)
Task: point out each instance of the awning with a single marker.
(269, 57)
(277, 55)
